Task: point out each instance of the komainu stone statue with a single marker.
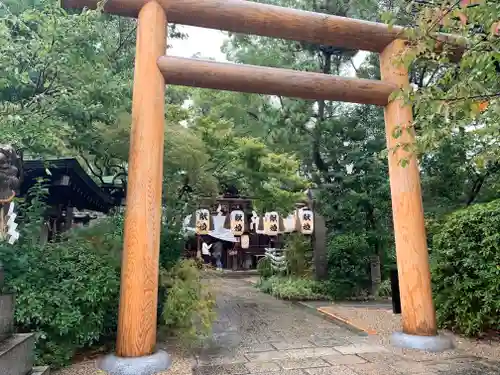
(10, 171)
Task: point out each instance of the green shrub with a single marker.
(66, 292)
(264, 268)
(298, 254)
(292, 289)
(171, 246)
(384, 289)
(189, 304)
(104, 236)
(348, 265)
(466, 269)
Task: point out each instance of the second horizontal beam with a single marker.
(273, 81)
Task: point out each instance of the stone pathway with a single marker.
(255, 334)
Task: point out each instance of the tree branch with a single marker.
(482, 96)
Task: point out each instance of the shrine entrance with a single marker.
(137, 313)
(247, 235)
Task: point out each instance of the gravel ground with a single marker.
(249, 319)
(384, 322)
(182, 364)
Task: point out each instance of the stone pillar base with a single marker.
(427, 343)
(147, 365)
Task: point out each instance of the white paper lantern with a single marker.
(245, 241)
(271, 223)
(237, 222)
(306, 218)
(202, 221)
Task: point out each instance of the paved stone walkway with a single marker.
(255, 334)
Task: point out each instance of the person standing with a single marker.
(217, 248)
(205, 252)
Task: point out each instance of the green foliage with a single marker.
(459, 95)
(348, 265)
(466, 269)
(384, 290)
(292, 289)
(264, 267)
(298, 254)
(248, 164)
(171, 246)
(63, 76)
(189, 303)
(104, 237)
(65, 89)
(338, 145)
(66, 291)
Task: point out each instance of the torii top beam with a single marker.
(249, 17)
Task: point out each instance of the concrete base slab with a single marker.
(426, 343)
(147, 365)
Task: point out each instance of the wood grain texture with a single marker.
(139, 280)
(242, 16)
(418, 314)
(273, 81)
(248, 17)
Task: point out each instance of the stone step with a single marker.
(6, 315)
(44, 370)
(16, 354)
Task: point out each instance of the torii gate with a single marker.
(136, 340)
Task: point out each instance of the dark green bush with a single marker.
(189, 304)
(104, 237)
(294, 282)
(466, 269)
(65, 291)
(68, 291)
(264, 267)
(171, 246)
(292, 289)
(348, 265)
(298, 255)
(384, 289)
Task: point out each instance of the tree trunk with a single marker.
(316, 152)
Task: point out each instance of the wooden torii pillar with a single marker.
(140, 264)
(138, 298)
